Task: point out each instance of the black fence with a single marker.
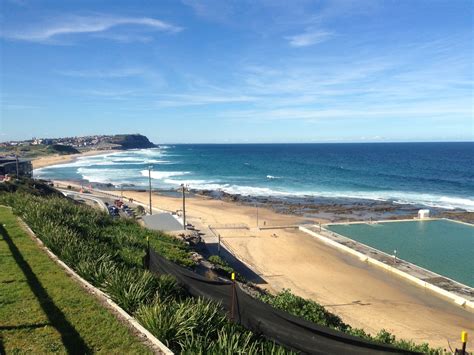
(283, 328)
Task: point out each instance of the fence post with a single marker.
(464, 341)
(233, 296)
(146, 261)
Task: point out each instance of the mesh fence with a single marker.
(283, 328)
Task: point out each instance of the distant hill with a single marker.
(73, 145)
(131, 141)
(62, 149)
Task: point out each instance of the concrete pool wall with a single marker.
(458, 293)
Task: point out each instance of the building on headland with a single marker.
(99, 142)
(13, 165)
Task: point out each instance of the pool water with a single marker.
(442, 246)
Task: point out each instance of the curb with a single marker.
(157, 346)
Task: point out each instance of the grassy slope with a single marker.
(35, 151)
(44, 310)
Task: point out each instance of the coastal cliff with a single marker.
(131, 141)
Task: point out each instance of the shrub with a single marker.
(224, 268)
(176, 321)
(168, 288)
(130, 288)
(303, 308)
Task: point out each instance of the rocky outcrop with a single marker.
(131, 141)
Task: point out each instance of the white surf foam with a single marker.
(106, 176)
(196, 184)
(85, 168)
(159, 175)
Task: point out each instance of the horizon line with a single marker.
(335, 142)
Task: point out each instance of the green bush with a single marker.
(224, 268)
(130, 288)
(168, 288)
(176, 322)
(303, 308)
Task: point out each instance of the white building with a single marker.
(422, 214)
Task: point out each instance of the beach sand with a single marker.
(364, 296)
(56, 159)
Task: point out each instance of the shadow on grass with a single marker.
(24, 326)
(71, 339)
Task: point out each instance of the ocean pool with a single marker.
(442, 246)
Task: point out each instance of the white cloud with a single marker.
(180, 100)
(429, 111)
(84, 25)
(309, 38)
(104, 73)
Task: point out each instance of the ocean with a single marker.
(426, 174)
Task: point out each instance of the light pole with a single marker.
(256, 206)
(149, 186)
(184, 206)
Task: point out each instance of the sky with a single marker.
(226, 71)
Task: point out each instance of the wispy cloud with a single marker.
(180, 100)
(70, 25)
(309, 38)
(428, 110)
(5, 106)
(110, 93)
(104, 73)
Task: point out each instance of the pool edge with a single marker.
(458, 300)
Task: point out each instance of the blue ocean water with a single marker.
(431, 174)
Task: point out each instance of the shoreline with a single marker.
(331, 208)
(361, 294)
(319, 209)
(326, 209)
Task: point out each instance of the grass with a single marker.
(35, 151)
(43, 310)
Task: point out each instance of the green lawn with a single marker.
(43, 310)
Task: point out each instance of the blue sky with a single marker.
(238, 71)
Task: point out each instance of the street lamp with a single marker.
(149, 186)
(183, 187)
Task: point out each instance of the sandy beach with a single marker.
(362, 295)
(63, 159)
